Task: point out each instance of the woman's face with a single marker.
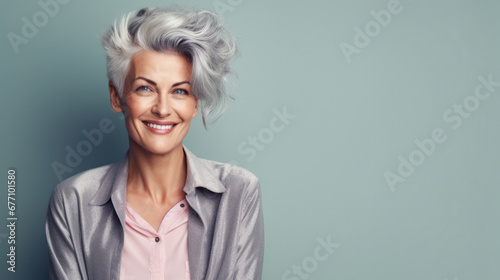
(159, 104)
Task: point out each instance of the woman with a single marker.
(161, 212)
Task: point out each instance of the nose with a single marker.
(161, 108)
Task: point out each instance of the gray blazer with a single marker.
(86, 217)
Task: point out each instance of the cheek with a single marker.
(187, 109)
(187, 114)
(135, 108)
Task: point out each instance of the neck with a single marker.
(160, 176)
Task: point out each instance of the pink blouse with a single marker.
(148, 254)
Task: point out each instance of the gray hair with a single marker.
(197, 35)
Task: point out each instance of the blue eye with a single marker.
(181, 91)
(143, 88)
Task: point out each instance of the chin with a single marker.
(160, 149)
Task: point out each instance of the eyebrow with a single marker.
(153, 83)
(180, 83)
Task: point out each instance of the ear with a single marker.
(116, 104)
(195, 112)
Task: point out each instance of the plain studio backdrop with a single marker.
(372, 125)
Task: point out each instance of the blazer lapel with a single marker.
(113, 187)
(203, 193)
(201, 224)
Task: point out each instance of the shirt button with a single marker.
(157, 239)
(182, 204)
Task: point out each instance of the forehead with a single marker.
(160, 65)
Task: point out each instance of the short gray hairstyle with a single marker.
(197, 35)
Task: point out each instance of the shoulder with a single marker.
(85, 184)
(242, 196)
(234, 178)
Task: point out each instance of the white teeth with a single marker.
(162, 127)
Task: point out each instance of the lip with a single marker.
(157, 130)
(158, 122)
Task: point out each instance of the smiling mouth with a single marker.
(159, 126)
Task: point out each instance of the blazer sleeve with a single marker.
(250, 253)
(63, 258)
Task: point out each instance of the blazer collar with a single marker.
(114, 183)
(199, 175)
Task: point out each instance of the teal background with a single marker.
(323, 174)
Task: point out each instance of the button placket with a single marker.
(155, 260)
